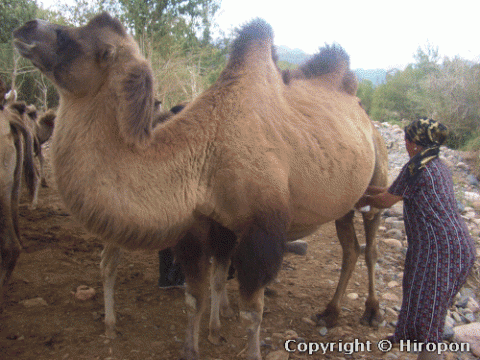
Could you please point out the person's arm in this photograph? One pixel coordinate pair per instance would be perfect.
(381, 200)
(374, 190)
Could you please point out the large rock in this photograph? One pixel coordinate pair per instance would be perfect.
(468, 334)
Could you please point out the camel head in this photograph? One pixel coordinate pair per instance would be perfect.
(91, 60)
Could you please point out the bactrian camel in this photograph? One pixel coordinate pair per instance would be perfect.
(258, 159)
(16, 154)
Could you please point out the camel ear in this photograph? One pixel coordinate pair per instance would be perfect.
(107, 54)
(136, 104)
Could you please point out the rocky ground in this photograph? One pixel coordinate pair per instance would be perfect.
(47, 317)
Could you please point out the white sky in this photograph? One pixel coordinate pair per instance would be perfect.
(375, 33)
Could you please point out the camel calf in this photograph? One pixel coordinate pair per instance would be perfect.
(260, 158)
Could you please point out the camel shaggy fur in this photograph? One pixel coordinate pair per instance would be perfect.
(42, 130)
(251, 163)
(17, 158)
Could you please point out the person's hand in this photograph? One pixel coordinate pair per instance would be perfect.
(364, 201)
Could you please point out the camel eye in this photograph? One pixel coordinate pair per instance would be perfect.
(63, 40)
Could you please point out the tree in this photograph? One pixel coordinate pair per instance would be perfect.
(14, 13)
(453, 98)
(160, 18)
(401, 97)
(365, 93)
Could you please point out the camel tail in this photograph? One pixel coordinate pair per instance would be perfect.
(255, 33)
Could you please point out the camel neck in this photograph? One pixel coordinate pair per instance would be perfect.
(121, 191)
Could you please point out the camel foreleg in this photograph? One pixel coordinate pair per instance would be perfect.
(219, 301)
(108, 267)
(257, 260)
(195, 262)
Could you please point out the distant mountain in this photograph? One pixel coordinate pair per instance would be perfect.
(376, 76)
(293, 56)
(297, 56)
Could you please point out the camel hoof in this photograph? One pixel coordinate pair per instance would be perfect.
(189, 354)
(227, 312)
(217, 339)
(110, 334)
(326, 318)
(371, 318)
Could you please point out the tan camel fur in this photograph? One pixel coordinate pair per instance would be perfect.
(16, 153)
(251, 163)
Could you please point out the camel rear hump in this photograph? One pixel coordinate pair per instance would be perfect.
(332, 65)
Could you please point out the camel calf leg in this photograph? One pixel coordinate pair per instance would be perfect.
(108, 267)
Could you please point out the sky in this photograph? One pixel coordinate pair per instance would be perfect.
(376, 34)
(381, 34)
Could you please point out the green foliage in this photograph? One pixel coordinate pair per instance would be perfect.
(14, 13)
(174, 34)
(365, 93)
(400, 97)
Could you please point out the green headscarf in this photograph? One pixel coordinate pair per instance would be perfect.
(429, 134)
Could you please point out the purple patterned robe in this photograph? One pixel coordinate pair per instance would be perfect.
(440, 252)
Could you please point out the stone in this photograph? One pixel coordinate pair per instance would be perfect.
(469, 333)
(290, 335)
(278, 355)
(323, 331)
(390, 297)
(462, 166)
(34, 302)
(395, 234)
(393, 243)
(472, 305)
(84, 293)
(448, 332)
(392, 284)
(298, 247)
(352, 296)
(472, 180)
(308, 321)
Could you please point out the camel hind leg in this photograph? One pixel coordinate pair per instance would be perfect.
(372, 314)
(351, 251)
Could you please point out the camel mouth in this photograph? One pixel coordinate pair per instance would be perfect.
(25, 49)
(28, 51)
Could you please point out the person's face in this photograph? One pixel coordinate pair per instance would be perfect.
(412, 148)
